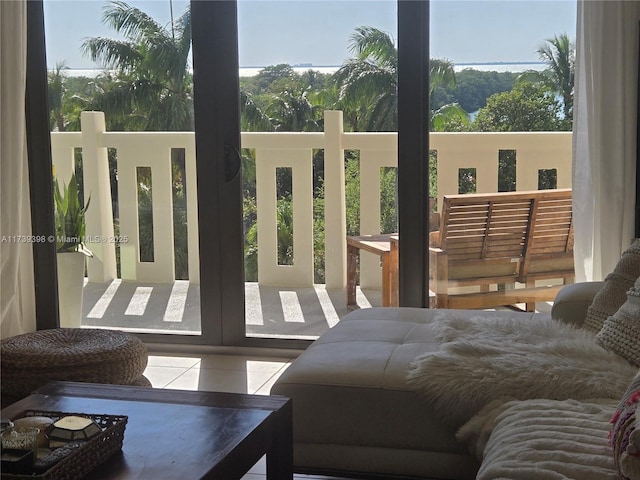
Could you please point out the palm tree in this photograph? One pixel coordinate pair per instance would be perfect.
(252, 118)
(56, 95)
(153, 85)
(559, 55)
(64, 108)
(368, 83)
(442, 75)
(151, 89)
(292, 111)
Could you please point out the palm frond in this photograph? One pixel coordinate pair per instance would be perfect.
(534, 76)
(370, 43)
(384, 116)
(447, 114)
(441, 74)
(559, 54)
(169, 113)
(368, 81)
(252, 117)
(112, 53)
(129, 21)
(183, 42)
(56, 87)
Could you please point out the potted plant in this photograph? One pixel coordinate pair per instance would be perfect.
(71, 251)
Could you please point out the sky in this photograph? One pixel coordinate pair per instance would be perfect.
(318, 31)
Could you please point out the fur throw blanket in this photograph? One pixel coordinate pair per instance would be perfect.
(485, 359)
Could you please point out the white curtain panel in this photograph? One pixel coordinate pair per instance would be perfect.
(17, 300)
(605, 105)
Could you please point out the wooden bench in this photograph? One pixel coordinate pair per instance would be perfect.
(488, 242)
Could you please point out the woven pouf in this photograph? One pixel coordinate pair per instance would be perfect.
(30, 360)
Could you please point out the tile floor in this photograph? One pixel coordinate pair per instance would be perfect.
(221, 373)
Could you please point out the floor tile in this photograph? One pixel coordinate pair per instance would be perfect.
(214, 380)
(173, 360)
(232, 373)
(160, 377)
(236, 362)
(265, 389)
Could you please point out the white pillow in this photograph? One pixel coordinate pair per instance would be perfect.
(551, 439)
(613, 294)
(620, 333)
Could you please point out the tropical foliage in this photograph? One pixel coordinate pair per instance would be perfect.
(147, 85)
(153, 86)
(559, 76)
(528, 107)
(368, 83)
(70, 217)
(472, 88)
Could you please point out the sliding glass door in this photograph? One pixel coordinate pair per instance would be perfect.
(121, 118)
(318, 83)
(240, 240)
(217, 124)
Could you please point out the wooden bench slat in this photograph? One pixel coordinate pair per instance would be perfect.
(506, 253)
(496, 233)
(548, 229)
(503, 297)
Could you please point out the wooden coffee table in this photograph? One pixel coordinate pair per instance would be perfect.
(178, 434)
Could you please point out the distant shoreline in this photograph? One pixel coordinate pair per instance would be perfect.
(329, 69)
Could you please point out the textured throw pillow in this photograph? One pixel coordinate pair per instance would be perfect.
(620, 333)
(543, 439)
(611, 297)
(625, 433)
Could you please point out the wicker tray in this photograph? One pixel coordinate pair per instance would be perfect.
(88, 456)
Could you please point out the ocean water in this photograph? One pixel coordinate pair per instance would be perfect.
(515, 67)
(329, 69)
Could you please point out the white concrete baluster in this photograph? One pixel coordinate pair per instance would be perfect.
(192, 212)
(63, 156)
(95, 166)
(300, 274)
(132, 155)
(335, 246)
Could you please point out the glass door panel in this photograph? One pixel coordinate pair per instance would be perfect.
(498, 124)
(308, 119)
(122, 132)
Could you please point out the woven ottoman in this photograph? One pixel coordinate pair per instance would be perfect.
(30, 360)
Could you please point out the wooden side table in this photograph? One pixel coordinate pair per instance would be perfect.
(394, 286)
(379, 245)
(386, 246)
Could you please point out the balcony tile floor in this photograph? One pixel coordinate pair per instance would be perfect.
(276, 312)
(221, 373)
(272, 312)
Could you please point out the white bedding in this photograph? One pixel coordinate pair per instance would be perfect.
(543, 440)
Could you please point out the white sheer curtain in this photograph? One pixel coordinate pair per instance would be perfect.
(604, 148)
(17, 301)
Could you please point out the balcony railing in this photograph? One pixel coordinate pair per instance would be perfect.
(480, 151)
